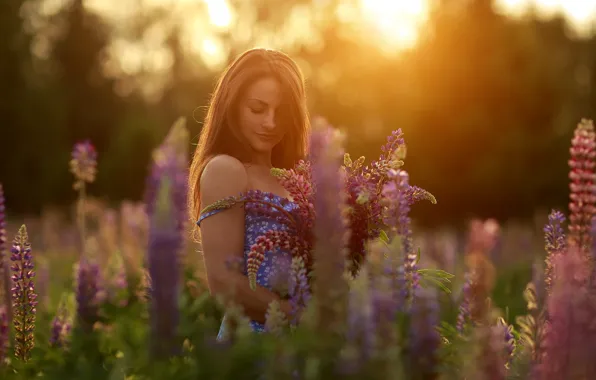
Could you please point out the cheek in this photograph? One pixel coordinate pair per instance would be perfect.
(248, 120)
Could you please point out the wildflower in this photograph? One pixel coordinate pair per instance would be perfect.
(361, 327)
(83, 164)
(396, 216)
(582, 187)
(330, 233)
(507, 332)
(166, 199)
(298, 289)
(24, 298)
(554, 242)
(4, 334)
(569, 338)
(275, 319)
(60, 328)
(424, 340)
(88, 293)
(4, 272)
(463, 316)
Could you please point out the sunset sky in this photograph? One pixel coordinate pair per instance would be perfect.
(394, 24)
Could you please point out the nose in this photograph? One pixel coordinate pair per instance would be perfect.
(269, 121)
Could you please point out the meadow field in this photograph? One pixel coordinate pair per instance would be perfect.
(119, 293)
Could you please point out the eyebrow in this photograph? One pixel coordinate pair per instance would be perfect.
(259, 100)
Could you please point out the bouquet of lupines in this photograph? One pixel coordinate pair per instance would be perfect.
(363, 186)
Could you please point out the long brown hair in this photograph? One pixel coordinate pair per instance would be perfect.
(220, 135)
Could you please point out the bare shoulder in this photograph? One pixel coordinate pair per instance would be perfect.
(222, 177)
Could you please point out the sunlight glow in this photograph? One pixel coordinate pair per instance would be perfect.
(397, 22)
(219, 13)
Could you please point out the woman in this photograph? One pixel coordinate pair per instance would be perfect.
(257, 119)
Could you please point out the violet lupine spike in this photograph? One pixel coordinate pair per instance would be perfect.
(582, 186)
(424, 339)
(569, 338)
(88, 294)
(330, 228)
(4, 334)
(60, 328)
(463, 317)
(385, 308)
(83, 164)
(24, 298)
(398, 208)
(298, 289)
(166, 199)
(507, 337)
(4, 262)
(554, 237)
(361, 322)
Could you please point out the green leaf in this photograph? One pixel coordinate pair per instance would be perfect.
(383, 236)
(439, 284)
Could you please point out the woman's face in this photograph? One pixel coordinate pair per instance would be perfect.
(260, 115)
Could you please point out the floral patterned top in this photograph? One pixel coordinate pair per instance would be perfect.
(273, 272)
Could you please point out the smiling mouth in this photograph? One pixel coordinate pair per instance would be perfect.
(266, 137)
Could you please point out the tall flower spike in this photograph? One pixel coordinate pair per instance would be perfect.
(424, 337)
(554, 237)
(24, 298)
(330, 232)
(569, 340)
(4, 334)
(166, 206)
(88, 293)
(83, 164)
(60, 328)
(4, 262)
(396, 216)
(582, 186)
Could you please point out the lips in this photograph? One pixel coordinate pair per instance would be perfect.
(265, 136)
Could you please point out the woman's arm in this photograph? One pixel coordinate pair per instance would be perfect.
(222, 239)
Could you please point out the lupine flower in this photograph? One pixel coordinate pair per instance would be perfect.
(463, 317)
(554, 237)
(24, 298)
(4, 334)
(491, 362)
(275, 319)
(4, 272)
(166, 206)
(508, 337)
(424, 339)
(88, 285)
(361, 328)
(83, 164)
(330, 229)
(582, 187)
(569, 341)
(60, 328)
(396, 216)
(298, 289)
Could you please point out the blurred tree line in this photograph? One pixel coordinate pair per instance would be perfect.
(488, 103)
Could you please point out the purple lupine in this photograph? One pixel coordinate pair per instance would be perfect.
(83, 163)
(554, 238)
(24, 298)
(361, 326)
(507, 332)
(569, 337)
(582, 195)
(166, 200)
(88, 293)
(4, 333)
(424, 339)
(330, 232)
(463, 317)
(4, 272)
(396, 216)
(298, 289)
(60, 328)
